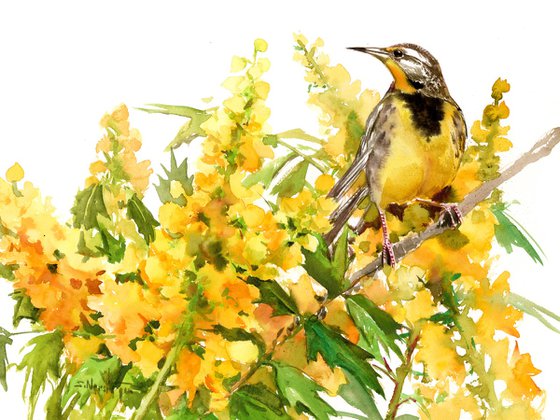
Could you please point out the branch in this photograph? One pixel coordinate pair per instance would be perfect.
(541, 149)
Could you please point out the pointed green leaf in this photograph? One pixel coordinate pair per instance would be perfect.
(113, 248)
(23, 309)
(5, 341)
(359, 397)
(87, 205)
(54, 407)
(198, 410)
(272, 294)
(340, 257)
(330, 274)
(95, 377)
(298, 133)
(190, 130)
(267, 173)
(239, 334)
(407, 417)
(252, 402)
(145, 222)
(509, 234)
(7, 271)
(293, 181)
(376, 326)
(175, 173)
(134, 387)
(40, 363)
(338, 351)
(301, 392)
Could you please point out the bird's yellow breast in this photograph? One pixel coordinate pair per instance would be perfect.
(416, 165)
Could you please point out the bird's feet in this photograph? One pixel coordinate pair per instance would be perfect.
(388, 254)
(451, 215)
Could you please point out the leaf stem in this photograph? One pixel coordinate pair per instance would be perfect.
(541, 149)
(184, 333)
(304, 156)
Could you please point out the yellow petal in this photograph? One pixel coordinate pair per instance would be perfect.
(242, 351)
(237, 64)
(14, 173)
(324, 183)
(261, 45)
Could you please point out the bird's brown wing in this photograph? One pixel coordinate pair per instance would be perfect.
(357, 167)
(347, 204)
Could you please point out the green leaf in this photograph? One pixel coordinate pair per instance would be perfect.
(256, 401)
(239, 334)
(89, 244)
(175, 173)
(198, 410)
(134, 387)
(54, 407)
(509, 233)
(298, 133)
(5, 341)
(338, 351)
(23, 309)
(95, 377)
(272, 294)
(376, 326)
(301, 392)
(293, 181)
(329, 273)
(535, 310)
(87, 205)
(40, 363)
(139, 213)
(113, 248)
(7, 271)
(359, 397)
(270, 140)
(407, 417)
(190, 130)
(267, 173)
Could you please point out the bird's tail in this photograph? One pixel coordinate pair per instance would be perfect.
(348, 179)
(343, 212)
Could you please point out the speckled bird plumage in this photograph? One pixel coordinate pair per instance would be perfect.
(413, 141)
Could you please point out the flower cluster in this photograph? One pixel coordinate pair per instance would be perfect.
(230, 303)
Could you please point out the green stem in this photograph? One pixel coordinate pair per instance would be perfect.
(185, 331)
(313, 64)
(476, 360)
(304, 156)
(402, 373)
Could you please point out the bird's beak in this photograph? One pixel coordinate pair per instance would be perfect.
(379, 53)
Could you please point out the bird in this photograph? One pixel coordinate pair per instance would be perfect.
(412, 145)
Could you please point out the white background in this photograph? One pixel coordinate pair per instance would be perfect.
(64, 64)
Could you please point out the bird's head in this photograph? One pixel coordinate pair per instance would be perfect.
(413, 68)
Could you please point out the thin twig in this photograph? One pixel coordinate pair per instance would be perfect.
(402, 373)
(541, 149)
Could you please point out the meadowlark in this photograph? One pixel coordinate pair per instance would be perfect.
(412, 145)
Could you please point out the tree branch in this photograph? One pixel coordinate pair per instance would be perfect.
(541, 149)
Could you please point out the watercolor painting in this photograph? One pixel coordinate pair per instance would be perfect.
(347, 236)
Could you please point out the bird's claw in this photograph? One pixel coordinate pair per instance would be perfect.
(388, 254)
(451, 214)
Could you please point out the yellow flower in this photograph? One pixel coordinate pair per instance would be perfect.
(14, 173)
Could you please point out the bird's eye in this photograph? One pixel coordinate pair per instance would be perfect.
(398, 53)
